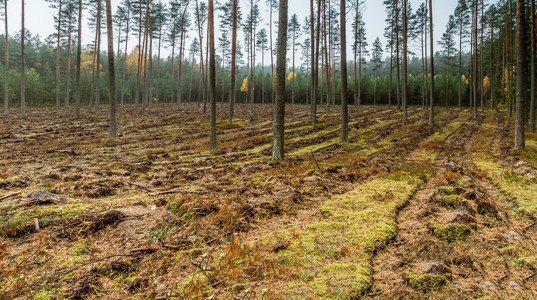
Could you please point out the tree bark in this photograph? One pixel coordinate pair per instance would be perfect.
(344, 109)
(111, 71)
(234, 63)
(279, 107)
(58, 89)
(313, 112)
(533, 79)
(405, 61)
(23, 66)
(521, 76)
(6, 64)
(212, 74)
(78, 62)
(431, 106)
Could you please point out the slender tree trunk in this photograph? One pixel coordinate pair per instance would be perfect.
(405, 62)
(234, 63)
(23, 66)
(212, 74)
(313, 111)
(533, 79)
(68, 70)
(391, 63)
(279, 107)
(475, 75)
(98, 75)
(139, 65)
(78, 60)
(272, 53)
(431, 106)
(125, 59)
(397, 50)
(447, 82)
(460, 65)
(344, 110)
(481, 55)
(6, 63)
(521, 75)
(426, 71)
(112, 132)
(119, 28)
(58, 89)
(180, 64)
(315, 65)
(423, 101)
(157, 92)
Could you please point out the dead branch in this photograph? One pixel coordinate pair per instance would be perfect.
(315, 160)
(10, 195)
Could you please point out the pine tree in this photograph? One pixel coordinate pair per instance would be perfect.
(448, 44)
(376, 59)
(461, 21)
(294, 31)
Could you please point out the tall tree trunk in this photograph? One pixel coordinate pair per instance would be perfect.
(475, 75)
(344, 110)
(460, 65)
(521, 76)
(397, 54)
(201, 57)
(447, 81)
(431, 106)
(234, 63)
(23, 66)
(119, 28)
(313, 100)
(139, 64)
(391, 62)
(180, 63)
(279, 107)
(111, 71)
(423, 101)
(68, 71)
(58, 89)
(212, 74)
(533, 79)
(481, 55)
(78, 60)
(6, 63)
(125, 59)
(157, 92)
(271, 52)
(405, 63)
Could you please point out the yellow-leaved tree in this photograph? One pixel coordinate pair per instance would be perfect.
(291, 76)
(244, 87)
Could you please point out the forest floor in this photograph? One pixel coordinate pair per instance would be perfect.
(406, 210)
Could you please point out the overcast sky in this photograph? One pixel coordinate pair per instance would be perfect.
(39, 18)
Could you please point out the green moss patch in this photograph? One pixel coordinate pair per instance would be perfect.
(333, 252)
(450, 201)
(425, 282)
(451, 232)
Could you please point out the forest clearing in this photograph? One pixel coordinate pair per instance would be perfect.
(405, 209)
(273, 160)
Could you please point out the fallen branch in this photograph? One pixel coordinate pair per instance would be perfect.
(140, 250)
(315, 160)
(92, 262)
(168, 192)
(532, 225)
(9, 195)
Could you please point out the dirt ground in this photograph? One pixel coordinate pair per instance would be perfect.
(406, 210)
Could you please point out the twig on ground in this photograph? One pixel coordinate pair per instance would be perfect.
(315, 160)
(10, 195)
